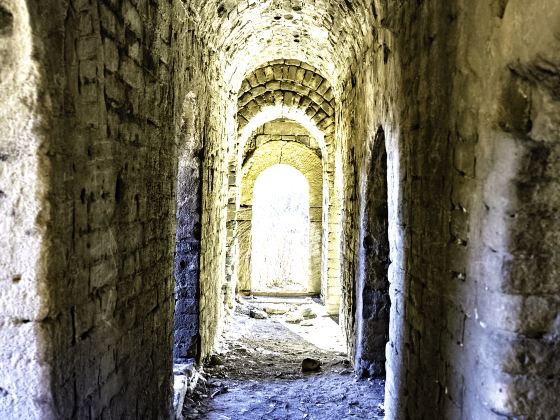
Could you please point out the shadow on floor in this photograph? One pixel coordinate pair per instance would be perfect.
(256, 374)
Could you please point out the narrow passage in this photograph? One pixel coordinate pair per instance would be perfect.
(257, 372)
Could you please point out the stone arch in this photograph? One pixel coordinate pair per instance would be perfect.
(281, 129)
(309, 164)
(290, 153)
(291, 83)
(271, 113)
(294, 89)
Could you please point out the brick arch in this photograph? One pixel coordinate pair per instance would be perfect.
(331, 288)
(263, 136)
(286, 152)
(277, 112)
(306, 161)
(290, 83)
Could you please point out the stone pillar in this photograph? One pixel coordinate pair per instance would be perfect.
(315, 249)
(244, 221)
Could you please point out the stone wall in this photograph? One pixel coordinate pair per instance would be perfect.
(24, 367)
(506, 135)
(109, 99)
(467, 96)
(187, 253)
(109, 106)
(371, 277)
(190, 143)
(112, 145)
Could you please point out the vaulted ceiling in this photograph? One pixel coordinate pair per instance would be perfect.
(327, 34)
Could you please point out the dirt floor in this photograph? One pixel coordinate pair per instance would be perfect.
(257, 373)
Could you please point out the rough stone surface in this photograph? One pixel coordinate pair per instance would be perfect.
(113, 120)
(294, 317)
(372, 285)
(261, 376)
(276, 309)
(24, 364)
(258, 314)
(308, 313)
(101, 116)
(469, 123)
(187, 251)
(122, 123)
(310, 365)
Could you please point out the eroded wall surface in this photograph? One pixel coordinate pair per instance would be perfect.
(372, 273)
(109, 99)
(24, 362)
(467, 96)
(109, 75)
(190, 62)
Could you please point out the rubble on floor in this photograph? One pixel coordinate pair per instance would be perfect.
(310, 365)
(186, 378)
(271, 369)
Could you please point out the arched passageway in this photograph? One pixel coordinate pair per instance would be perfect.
(280, 233)
(285, 143)
(126, 129)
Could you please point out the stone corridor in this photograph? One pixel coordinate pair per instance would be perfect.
(425, 134)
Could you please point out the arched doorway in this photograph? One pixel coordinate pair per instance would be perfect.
(300, 158)
(373, 303)
(280, 226)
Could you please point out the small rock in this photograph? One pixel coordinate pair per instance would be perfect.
(310, 365)
(214, 382)
(241, 350)
(243, 310)
(294, 318)
(307, 323)
(182, 368)
(308, 313)
(258, 314)
(276, 309)
(214, 360)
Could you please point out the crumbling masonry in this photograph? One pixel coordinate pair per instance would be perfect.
(430, 131)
